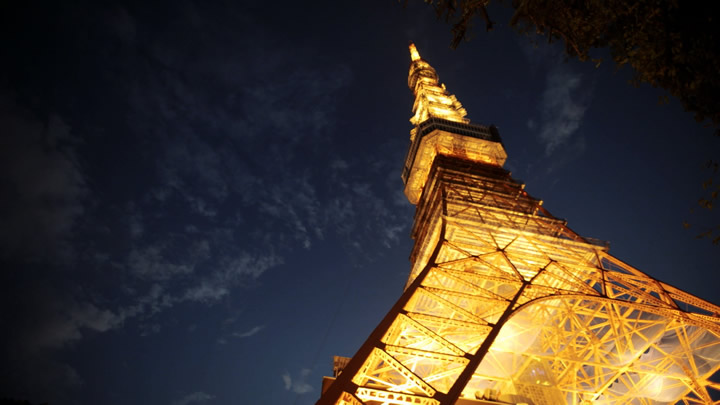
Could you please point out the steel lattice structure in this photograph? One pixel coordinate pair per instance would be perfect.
(506, 304)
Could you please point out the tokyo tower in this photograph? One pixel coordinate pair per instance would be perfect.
(507, 305)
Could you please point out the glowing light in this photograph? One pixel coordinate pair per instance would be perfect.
(414, 54)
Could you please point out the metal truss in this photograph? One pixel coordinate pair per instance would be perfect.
(511, 305)
(507, 305)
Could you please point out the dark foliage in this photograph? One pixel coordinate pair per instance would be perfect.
(670, 44)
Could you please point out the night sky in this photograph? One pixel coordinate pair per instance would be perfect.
(201, 201)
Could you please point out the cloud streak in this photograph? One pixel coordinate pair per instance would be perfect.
(197, 397)
(42, 185)
(250, 332)
(299, 384)
(563, 108)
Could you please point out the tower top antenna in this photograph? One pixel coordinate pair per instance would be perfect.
(414, 54)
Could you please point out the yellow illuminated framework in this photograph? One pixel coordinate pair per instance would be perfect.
(506, 305)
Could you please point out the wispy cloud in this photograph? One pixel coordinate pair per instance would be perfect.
(563, 107)
(231, 272)
(42, 184)
(565, 97)
(230, 176)
(299, 384)
(197, 397)
(40, 319)
(192, 168)
(249, 332)
(59, 328)
(228, 272)
(287, 381)
(149, 329)
(150, 263)
(293, 204)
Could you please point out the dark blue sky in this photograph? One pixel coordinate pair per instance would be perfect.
(201, 201)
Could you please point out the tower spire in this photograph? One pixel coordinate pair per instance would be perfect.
(414, 54)
(431, 97)
(441, 129)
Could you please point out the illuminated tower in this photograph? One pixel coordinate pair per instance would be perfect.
(506, 305)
